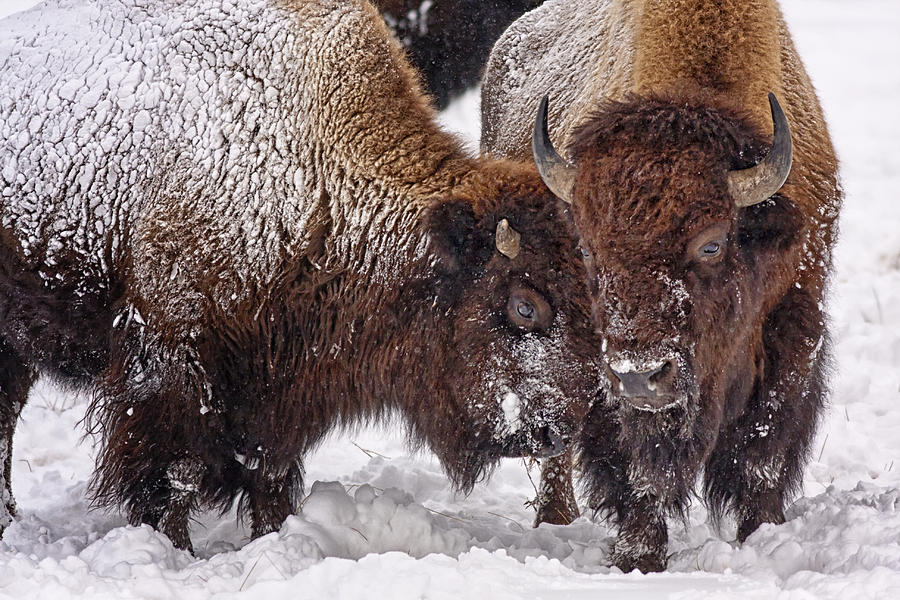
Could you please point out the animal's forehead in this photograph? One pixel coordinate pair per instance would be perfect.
(660, 204)
(650, 170)
(666, 169)
(546, 271)
(547, 241)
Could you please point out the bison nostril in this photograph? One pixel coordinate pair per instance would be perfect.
(613, 377)
(656, 381)
(662, 373)
(552, 442)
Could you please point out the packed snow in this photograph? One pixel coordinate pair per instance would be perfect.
(381, 523)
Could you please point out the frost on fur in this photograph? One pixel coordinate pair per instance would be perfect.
(238, 222)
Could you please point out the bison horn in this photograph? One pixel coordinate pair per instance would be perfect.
(557, 173)
(508, 240)
(758, 183)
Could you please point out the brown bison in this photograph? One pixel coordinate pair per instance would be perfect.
(449, 40)
(707, 217)
(242, 241)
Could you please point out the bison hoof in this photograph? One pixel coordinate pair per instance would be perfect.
(175, 527)
(749, 525)
(647, 563)
(182, 541)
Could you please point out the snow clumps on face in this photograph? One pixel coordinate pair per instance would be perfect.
(533, 398)
(673, 299)
(512, 409)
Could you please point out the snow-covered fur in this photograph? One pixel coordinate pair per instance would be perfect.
(238, 222)
(655, 102)
(448, 41)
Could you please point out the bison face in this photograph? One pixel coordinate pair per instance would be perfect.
(683, 256)
(661, 292)
(523, 363)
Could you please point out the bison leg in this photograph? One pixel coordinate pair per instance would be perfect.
(556, 499)
(643, 536)
(184, 478)
(161, 432)
(164, 495)
(642, 541)
(271, 496)
(758, 461)
(15, 381)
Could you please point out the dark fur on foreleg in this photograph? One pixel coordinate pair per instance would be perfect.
(271, 495)
(643, 537)
(16, 379)
(607, 474)
(556, 502)
(758, 462)
(160, 431)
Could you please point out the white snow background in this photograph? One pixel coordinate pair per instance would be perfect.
(390, 527)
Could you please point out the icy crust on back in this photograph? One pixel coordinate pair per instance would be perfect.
(121, 113)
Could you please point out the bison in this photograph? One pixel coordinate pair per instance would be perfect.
(449, 40)
(707, 218)
(238, 222)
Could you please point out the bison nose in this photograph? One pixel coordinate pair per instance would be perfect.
(550, 442)
(650, 388)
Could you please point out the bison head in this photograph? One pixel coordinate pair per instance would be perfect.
(522, 364)
(687, 245)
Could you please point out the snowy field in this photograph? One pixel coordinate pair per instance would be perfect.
(380, 524)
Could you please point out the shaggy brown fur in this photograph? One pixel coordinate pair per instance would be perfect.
(450, 40)
(213, 380)
(753, 340)
(328, 350)
(683, 105)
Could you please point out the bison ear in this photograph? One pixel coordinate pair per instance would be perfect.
(770, 226)
(456, 239)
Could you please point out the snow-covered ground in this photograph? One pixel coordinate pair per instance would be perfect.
(392, 529)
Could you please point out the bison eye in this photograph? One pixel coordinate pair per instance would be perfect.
(528, 310)
(525, 310)
(709, 245)
(711, 249)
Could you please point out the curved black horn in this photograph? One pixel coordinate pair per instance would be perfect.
(556, 172)
(759, 182)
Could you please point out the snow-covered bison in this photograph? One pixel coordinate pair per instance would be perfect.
(707, 249)
(449, 40)
(238, 221)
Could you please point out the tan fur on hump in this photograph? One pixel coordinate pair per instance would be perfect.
(728, 47)
(407, 146)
